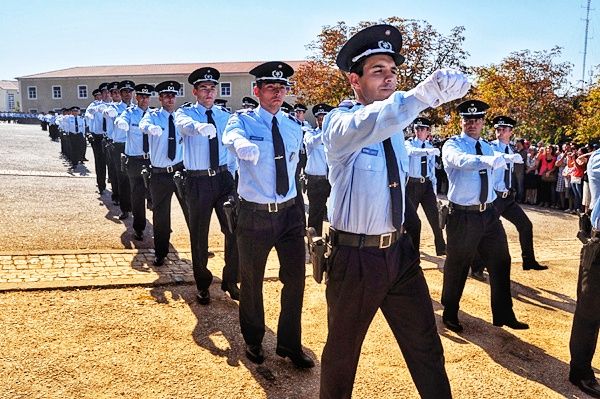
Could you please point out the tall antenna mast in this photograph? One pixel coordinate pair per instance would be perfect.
(585, 43)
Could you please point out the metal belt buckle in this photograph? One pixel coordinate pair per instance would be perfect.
(170, 169)
(422, 180)
(211, 172)
(482, 207)
(385, 240)
(274, 208)
(505, 194)
(146, 156)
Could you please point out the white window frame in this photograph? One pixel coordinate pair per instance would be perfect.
(29, 97)
(33, 110)
(221, 94)
(79, 91)
(55, 97)
(181, 91)
(252, 85)
(8, 101)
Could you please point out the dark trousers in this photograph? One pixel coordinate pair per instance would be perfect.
(53, 131)
(361, 281)
(78, 147)
(138, 192)
(112, 173)
(122, 179)
(202, 195)
(99, 161)
(469, 233)
(162, 188)
(257, 233)
(412, 223)
(586, 320)
(65, 145)
(317, 190)
(422, 194)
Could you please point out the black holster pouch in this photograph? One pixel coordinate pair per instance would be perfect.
(231, 212)
(179, 179)
(319, 250)
(146, 174)
(443, 215)
(123, 163)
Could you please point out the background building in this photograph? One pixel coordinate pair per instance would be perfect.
(10, 98)
(73, 86)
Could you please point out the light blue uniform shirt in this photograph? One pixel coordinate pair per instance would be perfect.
(360, 200)
(196, 148)
(499, 184)
(134, 146)
(316, 163)
(112, 131)
(257, 182)
(93, 114)
(159, 145)
(593, 171)
(462, 167)
(415, 152)
(70, 127)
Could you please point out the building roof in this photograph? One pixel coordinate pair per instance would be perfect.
(9, 85)
(151, 69)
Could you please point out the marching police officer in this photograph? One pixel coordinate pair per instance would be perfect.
(421, 186)
(267, 143)
(373, 264)
(97, 125)
(77, 136)
(137, 151)
(586, 320)
(166, 158)
(317, 186)
(473, 225)
(208, 179)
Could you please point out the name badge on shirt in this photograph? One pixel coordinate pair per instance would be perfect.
(257, 138)
(369, 151)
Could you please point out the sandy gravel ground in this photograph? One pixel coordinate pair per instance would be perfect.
(159, 343)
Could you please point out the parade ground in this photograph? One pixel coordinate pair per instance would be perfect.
(84, 314)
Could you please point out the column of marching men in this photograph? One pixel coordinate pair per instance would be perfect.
(359, 173)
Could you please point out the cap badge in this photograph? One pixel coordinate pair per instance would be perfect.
(171, 88)
(208, 76)
(277, 74)
(384, 45)
(472, 110)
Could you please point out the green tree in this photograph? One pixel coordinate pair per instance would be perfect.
(587, 117)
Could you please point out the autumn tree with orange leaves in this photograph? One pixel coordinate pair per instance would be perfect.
(425, 49)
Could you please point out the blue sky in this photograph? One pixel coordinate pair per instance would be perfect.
(40, 36)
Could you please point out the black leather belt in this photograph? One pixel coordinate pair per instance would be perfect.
(140, 157)
(206, 172)
(470, 208)
(168, 169)
(316, 177)
(503, 194)
(381, 241)
(271, 208)
(418, 179)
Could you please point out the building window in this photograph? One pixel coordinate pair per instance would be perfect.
(56, 92)
(181, 91)
(82, 91)
(11, 102)
(33, 111)
(32, 93)
(225, 89)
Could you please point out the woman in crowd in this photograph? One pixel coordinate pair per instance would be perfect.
(547, 172)
(531, 176)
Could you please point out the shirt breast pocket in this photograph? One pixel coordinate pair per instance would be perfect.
(369, 160)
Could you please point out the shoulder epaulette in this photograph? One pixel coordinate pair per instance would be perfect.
(244, 111)
(293, 118)
(222, 108)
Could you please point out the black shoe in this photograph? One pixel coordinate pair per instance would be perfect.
(478, 275)
(203, 297)
(138, 235)
(159, 261)
(590, 386)
(232, 288)
(255, 353)
(210, 254)
(514, 324)
(452, 324)
(123, 215)
(534, 266)
(300, 359)
(440, 252)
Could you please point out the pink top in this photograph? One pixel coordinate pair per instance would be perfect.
(545, 165)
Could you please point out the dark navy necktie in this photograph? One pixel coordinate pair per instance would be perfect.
(483, 193)
(172, 143)
(394, 183)
(213, 143)
(76, 125)
(282, 185)
(507, 173)
(423, 163)
(145, 144)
